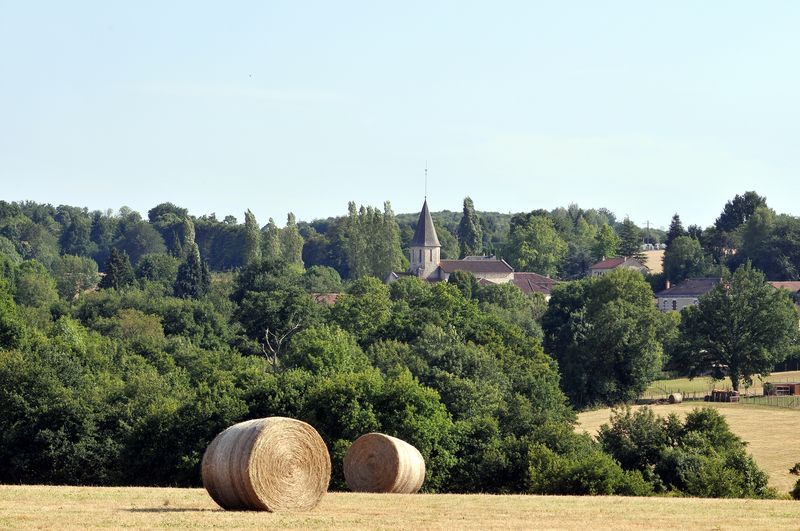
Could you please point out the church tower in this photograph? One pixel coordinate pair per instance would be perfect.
(425, 246)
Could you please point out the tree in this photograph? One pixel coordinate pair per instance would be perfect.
(698, 457)
(271, 241)
(630, 243)
(140, 238)
(606, 243)
(536, 246)
(603, 331)
(371, 242)
(470, 239)
(252, 238)
(322, 279)
(291, 242)
(118, 270)
(741, 328)
(388, 255)
(74, 274)
(12, 329)
(738, 210)
(684, 259)
(272, 305)
(694, 231)
(193, 279)
(675, 230)
(34, 285)
(160, 268)
(325, 350)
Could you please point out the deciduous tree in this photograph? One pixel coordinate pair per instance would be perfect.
(603, 332)
(741, 328)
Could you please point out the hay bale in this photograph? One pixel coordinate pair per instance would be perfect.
(269, 464)
(379, 463)
(675, 398)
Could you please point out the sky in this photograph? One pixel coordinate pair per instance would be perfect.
(645, 108)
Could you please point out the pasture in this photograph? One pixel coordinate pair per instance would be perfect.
(703, 384)
(95, 507)
(771, 433)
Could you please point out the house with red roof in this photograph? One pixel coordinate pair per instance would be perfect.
(609, 264)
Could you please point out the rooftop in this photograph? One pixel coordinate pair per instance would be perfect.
(691, 287)
(791, 285)
(425, 233)
(533, 283)
(476, 266)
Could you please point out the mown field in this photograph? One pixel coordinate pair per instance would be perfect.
(772, 434)
(702, 385)
(93, 507)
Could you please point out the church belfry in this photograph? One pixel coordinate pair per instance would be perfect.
(425, 246)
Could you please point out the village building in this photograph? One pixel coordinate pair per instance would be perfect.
(426, 263)
(607, 265)
(686, 293)
(676, 298)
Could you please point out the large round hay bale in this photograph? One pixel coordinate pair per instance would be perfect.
(675, 398)
(380, 463)
(269, 464)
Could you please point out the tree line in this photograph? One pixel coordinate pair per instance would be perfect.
(125, 380)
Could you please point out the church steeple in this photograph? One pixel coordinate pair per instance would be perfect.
(425, 235)
(425, 246)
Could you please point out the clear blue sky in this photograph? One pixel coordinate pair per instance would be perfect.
(646, 108)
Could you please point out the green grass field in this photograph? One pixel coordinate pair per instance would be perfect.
(147, 508)
(772, 434)
(702, 385)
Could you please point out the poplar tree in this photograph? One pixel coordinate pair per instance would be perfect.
(291, 242)
(470, 238)
(118, 270)
(271, 241)
(391, 231)
(252, 238)
(355, 242)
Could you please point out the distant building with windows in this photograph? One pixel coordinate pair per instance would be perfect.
(426, 263)
(676, 298)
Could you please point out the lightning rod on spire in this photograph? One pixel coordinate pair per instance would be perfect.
(426, 180)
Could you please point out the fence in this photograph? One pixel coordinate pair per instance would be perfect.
(788, 402)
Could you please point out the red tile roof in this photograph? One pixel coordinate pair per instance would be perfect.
(791, 285)
(533, 282)
(609, 263)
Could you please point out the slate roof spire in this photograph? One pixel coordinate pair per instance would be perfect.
(425, 234)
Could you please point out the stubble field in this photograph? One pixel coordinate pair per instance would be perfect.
(93, 507)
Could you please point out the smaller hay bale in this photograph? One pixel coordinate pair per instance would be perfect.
(675, 398)
(380, 463)
(269, 464)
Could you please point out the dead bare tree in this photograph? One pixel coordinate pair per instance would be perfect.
(274, 342)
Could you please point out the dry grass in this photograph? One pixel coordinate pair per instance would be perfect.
(702, 385)
(772, 434)
(92, 507)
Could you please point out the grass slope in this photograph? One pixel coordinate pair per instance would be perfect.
(771, 433)
(94, 507)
